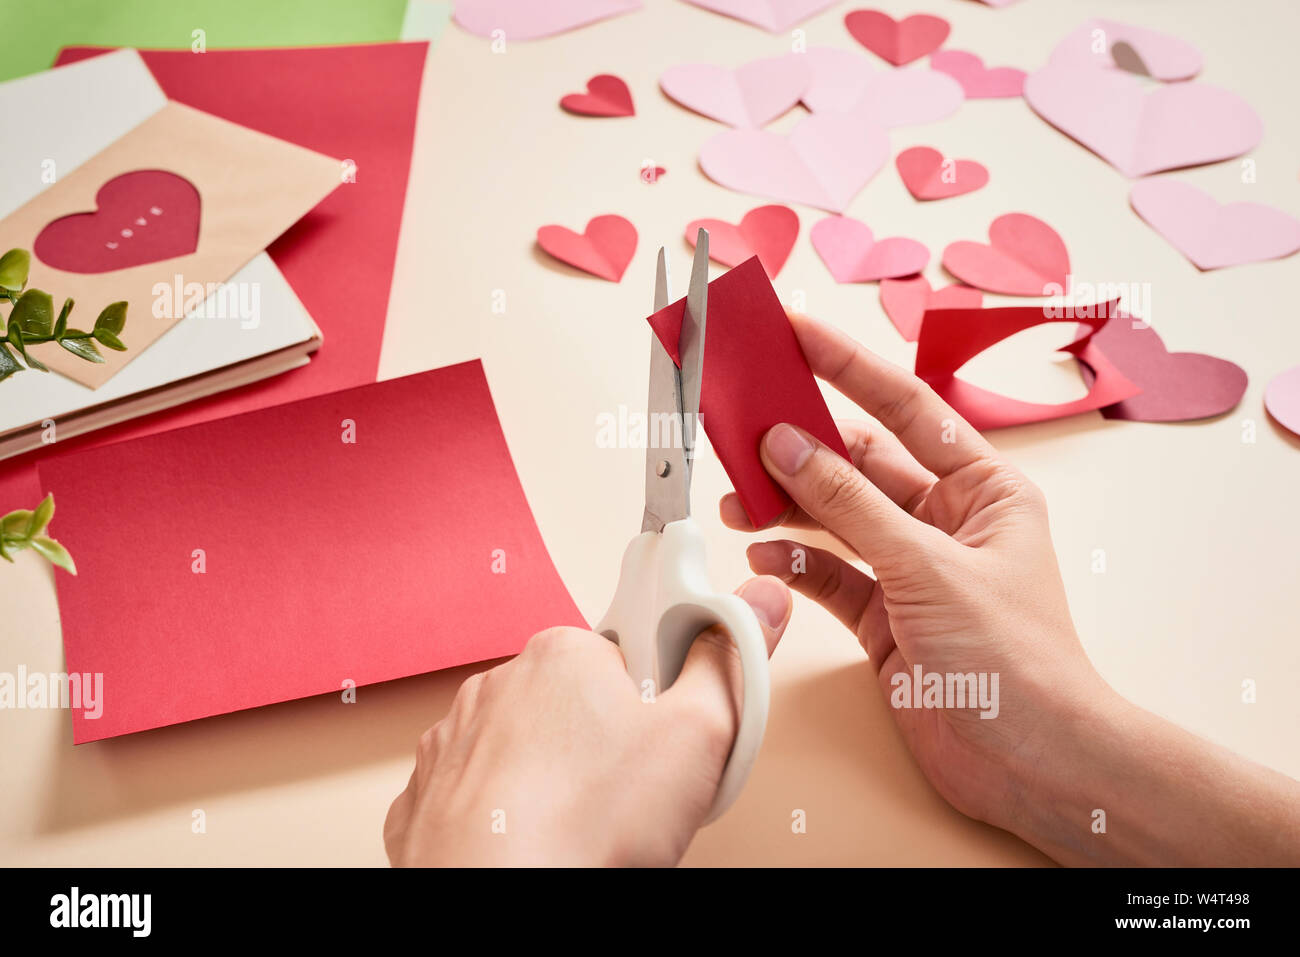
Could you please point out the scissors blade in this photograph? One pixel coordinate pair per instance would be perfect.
(690, 348)
(667, 478)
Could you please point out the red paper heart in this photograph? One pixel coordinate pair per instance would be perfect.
(1024, 257)
(606, 95)
(767, 232)
(1176, 386)
(906, 302)
(603, 249)
(651, 174)
(898, 41)
(927, 175)
(144, 216)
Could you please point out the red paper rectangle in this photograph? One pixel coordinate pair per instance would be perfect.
(755, 376)
(325, 561)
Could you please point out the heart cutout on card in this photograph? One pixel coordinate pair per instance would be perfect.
(1176, 386)
(1024, 257)
(603, 249)
(1212, 235)
(532, 19)
(607, 95)
(144, 216)
(1140, 130)
(776, 16)
(927, 175)
(898, 41)
(767, 232)
(749, 96)
(845, 81)
(977, 81)
(906, 301)
(853, 254)
(823, 161)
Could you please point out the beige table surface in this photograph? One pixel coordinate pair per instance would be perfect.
(1200, 529)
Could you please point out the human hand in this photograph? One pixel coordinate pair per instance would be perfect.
(554, 757)
(965, 577)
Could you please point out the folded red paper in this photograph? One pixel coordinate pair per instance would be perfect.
(755, 375)
(360, 536)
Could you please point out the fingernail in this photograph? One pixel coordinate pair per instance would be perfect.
(768, 599)
(787, 448)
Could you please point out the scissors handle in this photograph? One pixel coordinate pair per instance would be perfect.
(662, 603)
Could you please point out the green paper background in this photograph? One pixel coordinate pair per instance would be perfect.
(35, 30)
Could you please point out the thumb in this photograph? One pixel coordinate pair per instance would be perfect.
(843, 500)
(711, 676)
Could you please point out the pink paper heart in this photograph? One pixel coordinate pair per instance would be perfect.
(978, 81)
(823, 162)
(767, 232)
(1212, 235)
(749, 96)
(1176, 386)
(603, 249)
(1148, 52)
(898, 41)
(906, 301)
(853, 254)
(531, 19)
(1140, 132)
(1282, 399)
(1025, 257)
(606, 95)
(774, 15)
(844, 81)
(927, 175)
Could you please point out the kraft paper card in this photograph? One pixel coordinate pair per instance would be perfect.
(181, 202)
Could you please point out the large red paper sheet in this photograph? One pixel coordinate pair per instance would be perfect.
(409, 550)
(755, 375)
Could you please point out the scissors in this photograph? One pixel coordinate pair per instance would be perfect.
(663, 599)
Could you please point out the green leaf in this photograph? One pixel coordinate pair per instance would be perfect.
(34, 313)
(8, 364)
(82, 347)
(55, 553)
(15, 524)
(14, 266)
(107, 338)
(61, 325)
(41, 517)
(113, 318)
(16, 337)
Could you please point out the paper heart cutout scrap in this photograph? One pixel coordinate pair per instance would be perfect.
(1176, 386)
(607, 95)
(952, 337)
(1112, 45)
(977, 81)
(1024, 257)
(532, 19)
(750, 96)
(1212, 235)
(603, 249)
(1138, 130)
(898, 41)
(845, 81)
(853, 254)
(1282, 399)
(144, 216)
(767, 232)
(927, 175)
(906, 301)
(824, 161)
(776, 16)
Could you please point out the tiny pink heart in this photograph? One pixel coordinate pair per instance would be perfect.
(906, 301)
(927, 175)
(853, 254)
(978, 81)
(1212, 235)
(1024, 257)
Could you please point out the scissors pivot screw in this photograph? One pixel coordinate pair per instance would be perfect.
(663, 469)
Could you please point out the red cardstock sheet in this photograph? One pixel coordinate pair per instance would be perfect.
(323, 560)
(755, 375)
(952, 337)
